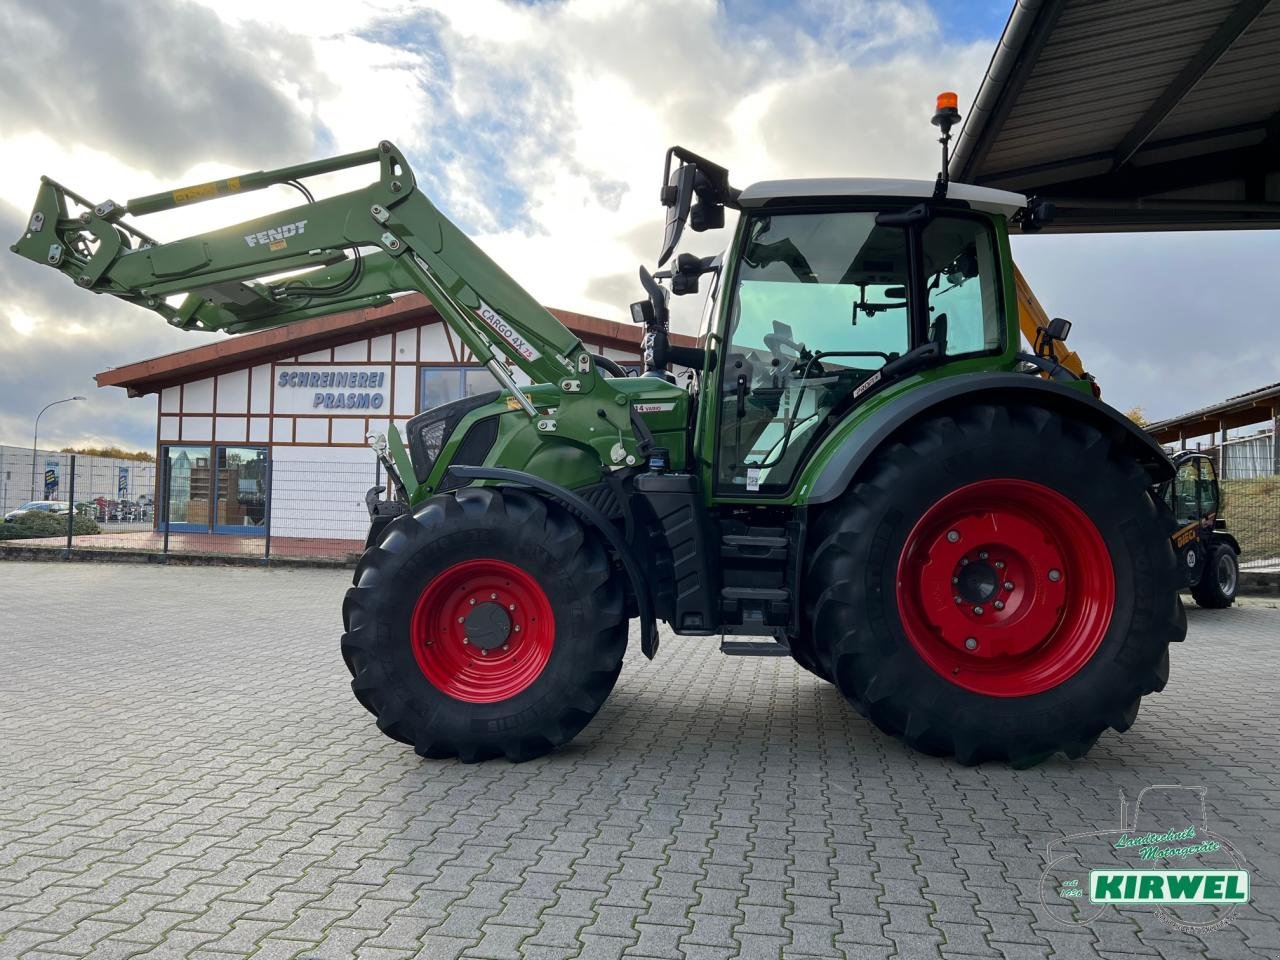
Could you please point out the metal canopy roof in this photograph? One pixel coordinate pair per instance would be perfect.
(1133, 114)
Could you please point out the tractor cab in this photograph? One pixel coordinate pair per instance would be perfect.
(831, 292)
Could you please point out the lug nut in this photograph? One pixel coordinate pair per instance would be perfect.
(493, 596)
(465, 640)
(484, 653)
(462, 619)
(505, 647)
(971, 644)
(472, 601)
(999, 564)
(999, 604)
(958, 600)
(982, 555)
(511, 606)
(964, 561)
(978, 611)
(1008, 584)
(953, 536)
(1055, 575)
(516, 628)
(955, 579)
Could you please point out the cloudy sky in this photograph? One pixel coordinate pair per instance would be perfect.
(540, 127)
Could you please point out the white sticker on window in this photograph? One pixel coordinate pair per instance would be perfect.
(753, 478)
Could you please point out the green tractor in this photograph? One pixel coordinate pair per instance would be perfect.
(861, 470)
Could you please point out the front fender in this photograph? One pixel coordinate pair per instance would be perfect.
(851, 447)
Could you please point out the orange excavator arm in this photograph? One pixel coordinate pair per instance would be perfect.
(1032, 319)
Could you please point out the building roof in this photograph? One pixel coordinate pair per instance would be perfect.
(307, 336)
(982, 198)
(1133, 114)
(1256, 406)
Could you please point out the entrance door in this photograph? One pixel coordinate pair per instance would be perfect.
(241, 490)
(186, 503)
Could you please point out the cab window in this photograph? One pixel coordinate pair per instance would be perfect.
(820, 303)
(1186, 492)
(962, 280)
(1208, 488)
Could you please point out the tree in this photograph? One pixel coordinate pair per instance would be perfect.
(1138, 416)
(114, 453)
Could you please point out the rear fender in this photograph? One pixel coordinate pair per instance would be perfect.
(939, 397)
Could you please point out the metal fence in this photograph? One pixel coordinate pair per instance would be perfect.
(247, 509)
(314, 510)
(1251, 508)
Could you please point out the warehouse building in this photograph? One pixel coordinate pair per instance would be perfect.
(270, 427)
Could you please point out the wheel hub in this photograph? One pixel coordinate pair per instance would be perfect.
(987, 592)
(487, 626)
(977, 582)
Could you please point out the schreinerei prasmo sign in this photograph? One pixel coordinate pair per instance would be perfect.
(333, 390)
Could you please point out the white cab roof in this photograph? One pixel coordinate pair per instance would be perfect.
(980, 198)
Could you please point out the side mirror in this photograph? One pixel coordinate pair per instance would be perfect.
(677, 196)
(1058, 329)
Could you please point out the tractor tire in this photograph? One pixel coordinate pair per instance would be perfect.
(802, 653)
(487, 623)
(1217, 587)
(997, 584)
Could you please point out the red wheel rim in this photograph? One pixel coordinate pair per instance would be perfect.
(482, 631)
(1005, 587)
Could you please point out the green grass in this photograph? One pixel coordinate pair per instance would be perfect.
(1252, 511)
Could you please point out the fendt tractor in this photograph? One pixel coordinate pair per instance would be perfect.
(863, 469)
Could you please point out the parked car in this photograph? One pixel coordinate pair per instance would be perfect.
(56, 507)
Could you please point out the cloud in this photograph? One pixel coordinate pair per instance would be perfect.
(162, 85)
(540, 128)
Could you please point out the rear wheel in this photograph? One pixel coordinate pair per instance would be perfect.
(997, 586)
(487, 623)
(1217, 586)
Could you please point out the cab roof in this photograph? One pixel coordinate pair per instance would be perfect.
(989, 200)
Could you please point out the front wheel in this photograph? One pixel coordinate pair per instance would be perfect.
(486, 623)
(1217, 587)
(997, 586)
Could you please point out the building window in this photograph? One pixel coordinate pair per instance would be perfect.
(443, 384)
(228, 498)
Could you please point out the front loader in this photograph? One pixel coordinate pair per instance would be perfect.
(863, 470)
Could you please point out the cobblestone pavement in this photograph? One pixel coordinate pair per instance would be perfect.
(184, 773)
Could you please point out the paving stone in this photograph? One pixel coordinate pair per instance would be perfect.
(217, 793)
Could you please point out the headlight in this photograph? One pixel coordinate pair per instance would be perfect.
(432, 439)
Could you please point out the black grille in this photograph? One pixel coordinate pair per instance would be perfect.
(475, 446)
(420, 427)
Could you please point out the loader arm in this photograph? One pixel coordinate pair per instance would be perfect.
(338, 253)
